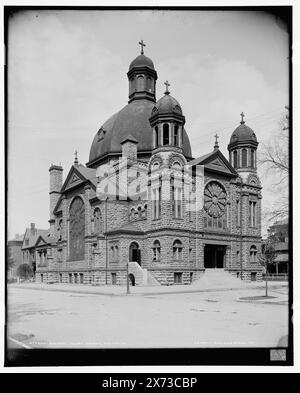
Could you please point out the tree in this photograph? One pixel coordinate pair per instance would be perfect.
(24, 271)
(267, 258)
(275, 159)
(10, 261)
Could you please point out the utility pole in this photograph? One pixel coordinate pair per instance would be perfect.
(127, 279)
(106, 244)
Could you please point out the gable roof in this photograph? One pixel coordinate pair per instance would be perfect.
(32, 237)
(45, 239)
(216, 162)
(77, 176)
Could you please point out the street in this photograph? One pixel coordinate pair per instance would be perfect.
(41, 318)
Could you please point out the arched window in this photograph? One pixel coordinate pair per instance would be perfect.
(252, 159)
(97, 220)
(156, 250)
(244, 158)
(253, 253)
(156, 137)
(77, 229)
(59, 229)
(177, 250)
(166, 139)
(176, 198)
(140, 83)
(149, 85)
(176, 135)
(134, 253)
(235, 159)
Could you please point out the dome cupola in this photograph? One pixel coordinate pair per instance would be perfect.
(142, 78)
(242, 147)
(167, 121)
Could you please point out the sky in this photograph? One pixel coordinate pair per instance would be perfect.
(67, 76)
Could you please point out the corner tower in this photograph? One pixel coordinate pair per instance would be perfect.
(142, 78)
(242, 150)
(167, 123)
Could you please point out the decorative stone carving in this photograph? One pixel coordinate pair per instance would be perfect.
(215, 199)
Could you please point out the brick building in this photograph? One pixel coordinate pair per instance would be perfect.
(279, 233)
(144, 205)
(14, 254)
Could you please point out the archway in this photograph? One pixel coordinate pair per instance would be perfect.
(134, 253)
(131, 279)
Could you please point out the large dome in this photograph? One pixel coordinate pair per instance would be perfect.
(243, 133)
(133, 120)
(141, 61)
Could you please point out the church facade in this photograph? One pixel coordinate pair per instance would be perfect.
(143, 207)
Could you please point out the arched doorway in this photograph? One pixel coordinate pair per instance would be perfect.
(131, 279)
(134, 253)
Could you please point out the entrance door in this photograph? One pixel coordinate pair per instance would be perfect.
(214, 256)
(134, 253)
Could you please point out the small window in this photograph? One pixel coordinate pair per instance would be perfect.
(235, 159)
(177, 278)
(156, 250)
(166, 140)
(156, 137)
(252, 159)
(114, 278)
(176, 135)
(253, 254)
(177, 250)
(244, 158)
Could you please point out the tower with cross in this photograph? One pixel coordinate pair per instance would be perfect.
(142, 77)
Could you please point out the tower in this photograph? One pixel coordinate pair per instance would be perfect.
(142, 77)
(56, 180)
(242, 150)
(167, 123)
(247, 204)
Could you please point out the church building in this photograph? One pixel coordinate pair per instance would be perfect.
(143, 207)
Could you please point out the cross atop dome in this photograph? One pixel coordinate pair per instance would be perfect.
(242, 117)
(142, 46)
(167, 87)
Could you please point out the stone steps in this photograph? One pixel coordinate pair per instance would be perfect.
(218, 278)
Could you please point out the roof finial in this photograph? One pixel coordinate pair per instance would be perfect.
(142, 46)
(76, 158)
(242, 116)
(216, 141)
(167, 87)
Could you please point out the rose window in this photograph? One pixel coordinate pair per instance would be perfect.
(214, 199)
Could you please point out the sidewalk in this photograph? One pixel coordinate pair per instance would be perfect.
(116, 290)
